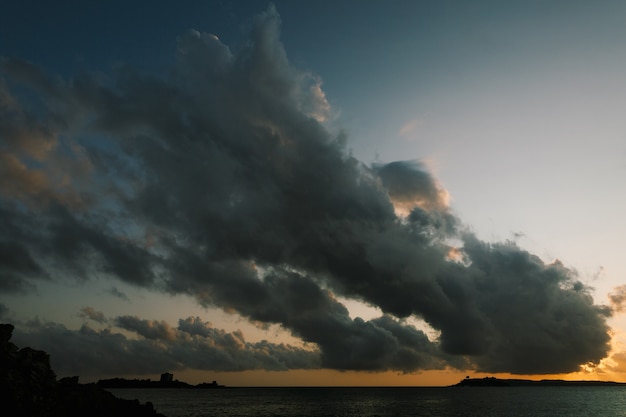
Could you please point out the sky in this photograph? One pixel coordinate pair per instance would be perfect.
(315, 193)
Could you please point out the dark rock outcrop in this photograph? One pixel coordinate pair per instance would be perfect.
(29, 387)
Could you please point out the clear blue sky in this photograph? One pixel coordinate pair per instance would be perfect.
(165, 166)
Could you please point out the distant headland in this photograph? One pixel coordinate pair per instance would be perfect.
(167, 381)
(497, 382)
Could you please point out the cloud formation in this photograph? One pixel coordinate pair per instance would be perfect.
(221, 180)
(618, 298)
(156, 346)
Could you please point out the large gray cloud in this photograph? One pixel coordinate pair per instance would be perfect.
(220, 180)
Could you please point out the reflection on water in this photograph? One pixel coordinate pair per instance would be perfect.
(352, 402)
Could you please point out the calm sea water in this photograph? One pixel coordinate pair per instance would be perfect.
(362, 402)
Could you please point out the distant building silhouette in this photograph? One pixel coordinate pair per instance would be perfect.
(167, 378)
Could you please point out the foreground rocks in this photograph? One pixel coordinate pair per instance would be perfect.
(29, 387)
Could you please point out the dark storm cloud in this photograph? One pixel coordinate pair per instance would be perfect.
(531, 317)
(299, 304)
(222, 181)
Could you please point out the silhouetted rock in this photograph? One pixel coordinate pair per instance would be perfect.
(29, 388)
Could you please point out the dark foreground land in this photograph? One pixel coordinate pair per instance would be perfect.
(29, 387)
(496, 382)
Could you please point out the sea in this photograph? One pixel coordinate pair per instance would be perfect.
(570, 401)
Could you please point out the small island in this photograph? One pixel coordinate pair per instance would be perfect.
(497, 382)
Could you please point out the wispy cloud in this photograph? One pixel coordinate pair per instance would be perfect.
(91, 314)
(617, 297)
(118, 294)
(408, 129)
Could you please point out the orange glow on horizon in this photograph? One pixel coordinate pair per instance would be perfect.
(331, 378)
